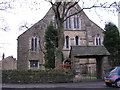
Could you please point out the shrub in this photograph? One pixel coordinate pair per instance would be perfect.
(32, 76)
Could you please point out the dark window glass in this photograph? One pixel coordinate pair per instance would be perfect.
(68, 23)
(99, 41)
(118, 71)
(96, 41)
(34, 44)
(33, 63)
(76, 21)
(67, 41)
(76, 40)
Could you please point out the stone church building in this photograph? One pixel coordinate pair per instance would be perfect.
(79, 30)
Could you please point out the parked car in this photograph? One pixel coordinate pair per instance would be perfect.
(113, 77)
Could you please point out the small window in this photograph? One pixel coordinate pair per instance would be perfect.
(97, 40)
(34, 64)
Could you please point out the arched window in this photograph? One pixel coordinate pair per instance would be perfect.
(76, 40)
(67, 41)
(34, 44)
(76, 21)
(97, 43)
(54, 22)
(97, 40)
(68, 22)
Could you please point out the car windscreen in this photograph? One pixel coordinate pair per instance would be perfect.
(119, 71)
(114, 70)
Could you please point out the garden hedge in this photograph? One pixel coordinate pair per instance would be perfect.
(41, 76)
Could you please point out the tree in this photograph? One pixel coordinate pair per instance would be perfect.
(61, 8)
(112, 43)
(50, 46)
(4, 5)
(25, 25)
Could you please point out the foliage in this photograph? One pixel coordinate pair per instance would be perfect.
(112, 43)
(32, 76)
(50, 46)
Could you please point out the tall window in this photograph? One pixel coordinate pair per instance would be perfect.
(67, 41)
(68, 22)
(76, 21)
(76, 40)
(97, 40)
(34, 44)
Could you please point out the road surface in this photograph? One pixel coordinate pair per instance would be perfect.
(90, 85)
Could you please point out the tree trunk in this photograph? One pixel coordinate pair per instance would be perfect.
(59, 53)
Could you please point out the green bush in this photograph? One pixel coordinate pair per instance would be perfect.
(32, 76)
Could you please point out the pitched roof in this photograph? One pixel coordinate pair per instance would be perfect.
(88, 51)
(48, 14)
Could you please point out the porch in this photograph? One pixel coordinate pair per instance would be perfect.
(98, 53)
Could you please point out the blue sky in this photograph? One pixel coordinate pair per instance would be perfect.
(27, 11)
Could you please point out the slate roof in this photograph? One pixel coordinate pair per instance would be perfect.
(88, 51)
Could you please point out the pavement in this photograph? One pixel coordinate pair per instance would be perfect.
(95, 84)
(87, 85)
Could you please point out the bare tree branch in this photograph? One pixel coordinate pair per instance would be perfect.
(72, 5)
(3, 25)
(66, 6)
(104, 5)
(25, 25)
(6, 5)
